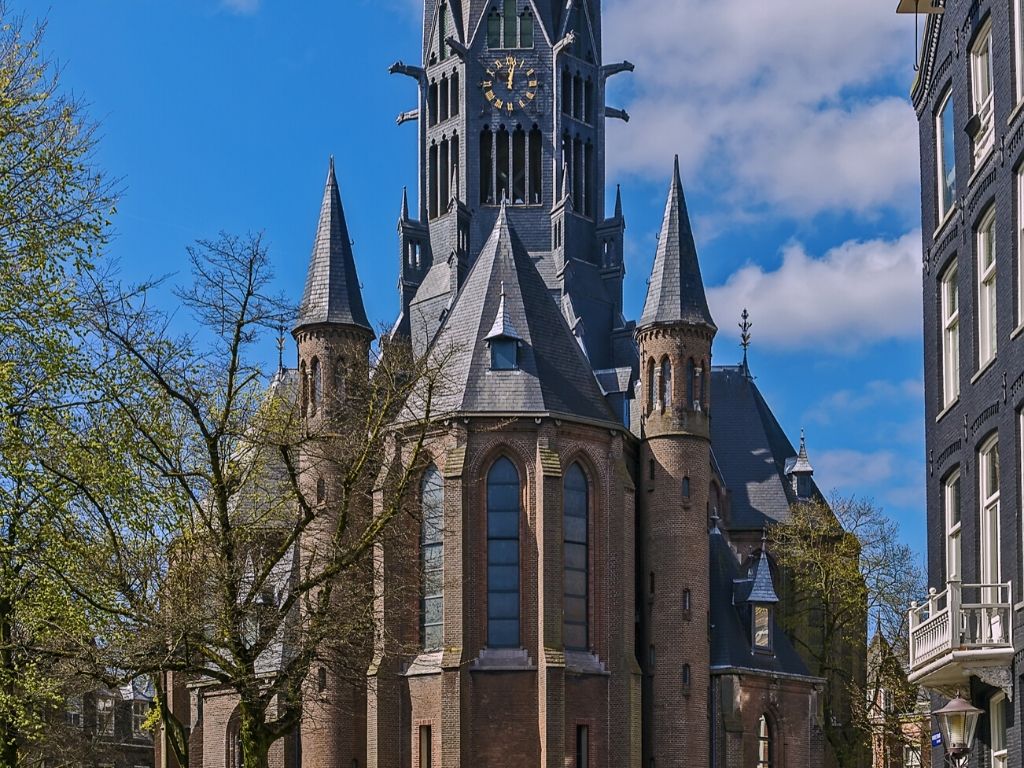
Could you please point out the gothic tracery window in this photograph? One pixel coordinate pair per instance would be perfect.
(503, 514)
(432, 559)
(511, 166)
(575, 503)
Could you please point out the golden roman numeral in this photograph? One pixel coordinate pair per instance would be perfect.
(522, 104)
(489, 95)
(530, 95)
(487, 84)
(534, 83)
(499, 103)
(509, 107)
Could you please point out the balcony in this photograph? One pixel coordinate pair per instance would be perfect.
(965, 630)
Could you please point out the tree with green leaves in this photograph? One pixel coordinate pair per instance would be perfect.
(54, 205)
(844, 566)
(207, 543)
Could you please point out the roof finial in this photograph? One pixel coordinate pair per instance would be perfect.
(405, 203)
(745, 337)
(803, 443)
(764, 537)
(280, 347)
(618, 201)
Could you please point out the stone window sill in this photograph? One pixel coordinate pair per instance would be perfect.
(503, 660)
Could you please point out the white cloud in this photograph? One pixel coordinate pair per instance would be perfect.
(241, 7)
(856, 294)
(767, 102)
(847, 470)
(847, 402)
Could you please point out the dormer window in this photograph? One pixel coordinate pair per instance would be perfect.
(504, 354)
(762, 623)
(503, 339)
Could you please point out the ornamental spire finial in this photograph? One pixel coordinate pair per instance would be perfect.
(745, 326)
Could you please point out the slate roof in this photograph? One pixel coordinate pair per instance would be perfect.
(762, 588)
(751, 450)
(553, 376)
(676, 291)
(730, 631)
(332, 292)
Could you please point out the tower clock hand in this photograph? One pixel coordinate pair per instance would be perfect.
(511, 74)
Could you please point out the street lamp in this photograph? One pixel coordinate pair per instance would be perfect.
(957, 721)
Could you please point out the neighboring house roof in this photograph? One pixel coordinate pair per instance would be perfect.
(504, 290)
(332, 293)
(730, 633)
(676, 291)
(752, 451)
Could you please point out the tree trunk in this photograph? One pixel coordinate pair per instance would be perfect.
(255, 739)
(8, 729)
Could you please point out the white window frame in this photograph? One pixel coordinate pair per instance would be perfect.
(950, 299)
(944, 205)
(140, 711)
(953, 498)
(989, 566)
(997, 727)
(911, 756)
(105, 715)
(1020, 241)
(982, 90)
(1018, 48)
(987, 262)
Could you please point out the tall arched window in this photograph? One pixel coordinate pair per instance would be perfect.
(503, 555)
(501, 166)
(233, 747)
(304, 384)
(519, 166)
(432, 559)
(443, 99)
(432, 103)
(511, 25)
(650, 385)
(575, 505)
(454, 94)
(494, 30)
(536, 190)
(691, 374)
(314, 385)
(703, 383)
(526, 30)
(487, 166)
(442, 31)
(764, 743)
(665, 399)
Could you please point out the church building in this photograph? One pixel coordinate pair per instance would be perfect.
(595, 590)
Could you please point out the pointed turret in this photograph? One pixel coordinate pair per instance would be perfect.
(676, 291)
(618, 201)
(404, 216)
(332, 294)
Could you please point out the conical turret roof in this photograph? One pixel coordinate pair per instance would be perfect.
(504, 296)
(332, 292)
(676, 290)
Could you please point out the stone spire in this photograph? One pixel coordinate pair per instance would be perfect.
(676, 291)
(404, 216)
(332, 292)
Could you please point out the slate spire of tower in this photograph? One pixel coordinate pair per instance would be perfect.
(676, 290)
(332, 293)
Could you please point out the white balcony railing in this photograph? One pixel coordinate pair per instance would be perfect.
(960, 618)
(985, 138)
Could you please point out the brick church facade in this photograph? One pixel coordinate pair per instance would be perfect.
(594, 590)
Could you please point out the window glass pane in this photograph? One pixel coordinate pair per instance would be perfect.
(494, 31)
(511, 31)
(575, 506)
(526, 31)
(761, 626)
(946, 135)
(432, 558)
(503, 555)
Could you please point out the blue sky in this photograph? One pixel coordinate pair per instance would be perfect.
(798, 148)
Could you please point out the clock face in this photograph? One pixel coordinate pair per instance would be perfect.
(509, 84)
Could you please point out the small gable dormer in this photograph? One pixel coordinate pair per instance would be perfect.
(503, 339)
(800, 473)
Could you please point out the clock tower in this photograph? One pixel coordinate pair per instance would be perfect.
(511, 108)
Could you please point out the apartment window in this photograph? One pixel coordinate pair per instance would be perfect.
(140, 711)
(1020, 243)
(764, 743)
(503, 555)
(582, 746)
(950, 335)
(432, 559)
(426, 747)
(982, 125)
(911, 757)
(987, 317)
(74, 711)
(945, 135)
(951, 506)
(1018, 49)
(105, 715)
(988, 473)
(997, 730)
(575, 504)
